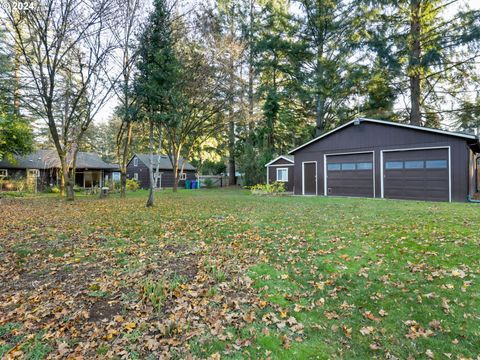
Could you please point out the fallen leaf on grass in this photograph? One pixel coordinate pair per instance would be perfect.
(367, 330)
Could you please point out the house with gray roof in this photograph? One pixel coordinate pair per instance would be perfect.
(138, 169)
(44, 166)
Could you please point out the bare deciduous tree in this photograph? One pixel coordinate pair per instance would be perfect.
(66, 48)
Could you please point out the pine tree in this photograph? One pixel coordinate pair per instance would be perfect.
(158, 72)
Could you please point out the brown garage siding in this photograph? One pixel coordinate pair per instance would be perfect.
(374, 136)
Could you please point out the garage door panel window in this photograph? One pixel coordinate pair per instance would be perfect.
(436, 164)
(334, 167)
(414, 164)
(348, 166)
(364, 166)
(393, 165)
(282, 174)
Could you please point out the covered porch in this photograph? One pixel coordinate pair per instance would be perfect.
(93, 178)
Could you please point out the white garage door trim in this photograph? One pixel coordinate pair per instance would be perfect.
(325, 185)
(420, 148)
(303, 176)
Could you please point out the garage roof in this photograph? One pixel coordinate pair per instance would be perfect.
(438, 131)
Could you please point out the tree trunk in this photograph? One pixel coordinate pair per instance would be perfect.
(414, 71)
(123, 182)
(67, 184)
(320, 100)
(175, 174)
(124, 160)
(251, 74)
(231, 123)
(320, 116)
(159, 153)
(151, 195)
(231, 153)
(176, 156)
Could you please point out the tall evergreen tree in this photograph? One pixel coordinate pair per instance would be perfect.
(158, 72)
(426, 45)
(16, 136)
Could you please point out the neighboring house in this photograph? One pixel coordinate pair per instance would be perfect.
(382, 159)
(44, 166)
(281, 170)
(138, 169)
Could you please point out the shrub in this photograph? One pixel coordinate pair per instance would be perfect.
(15, 185)
(273, 188)
(77, 188)
(208, 183)
(132, 185)
(54, 189)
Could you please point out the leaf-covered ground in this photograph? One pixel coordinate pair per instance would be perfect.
(223, 274)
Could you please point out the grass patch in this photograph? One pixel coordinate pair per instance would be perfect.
(243, 276)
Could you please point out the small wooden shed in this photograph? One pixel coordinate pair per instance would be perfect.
(281, 170)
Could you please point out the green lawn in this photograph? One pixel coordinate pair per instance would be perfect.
(222, 273)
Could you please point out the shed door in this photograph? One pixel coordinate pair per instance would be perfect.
(416, 175)
(309, 178)
(350, 175)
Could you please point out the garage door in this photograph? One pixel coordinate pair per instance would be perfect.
(350, 175)
(416, 174)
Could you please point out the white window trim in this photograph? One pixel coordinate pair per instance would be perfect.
(135, 161)
(303, 176)
(325, 177)
(286, 169)
(183, 176)
(135, 176)
(3, 173)
(421, 148)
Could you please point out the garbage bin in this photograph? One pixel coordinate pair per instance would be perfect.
(198, 183)
(104, 192)
(194, 184)
(188, 184)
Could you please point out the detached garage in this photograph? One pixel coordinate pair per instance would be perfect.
(382, 159)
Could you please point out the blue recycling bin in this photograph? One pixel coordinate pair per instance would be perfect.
(194, 184)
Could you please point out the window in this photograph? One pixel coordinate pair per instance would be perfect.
(33, 173)
(135, 176)
(183, 176)
(364, 166)
(282, 174)
(332, 167)
(348, 166)
(135, 161)
(414, 164)
(394, 165)
(436, 164)
(3, 173)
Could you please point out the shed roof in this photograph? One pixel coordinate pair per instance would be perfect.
(47, 159)
(384, 122)
(165, 163)
(285, 157)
